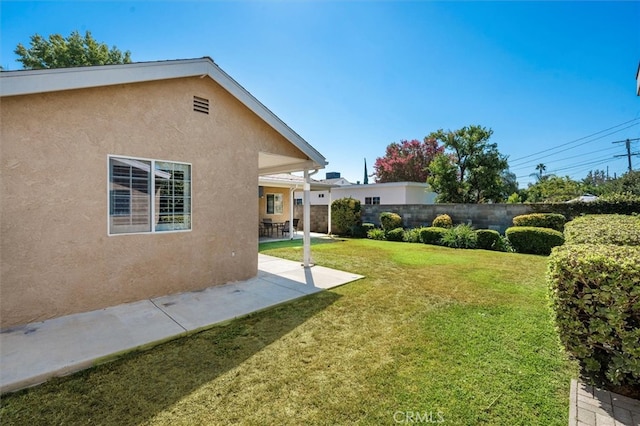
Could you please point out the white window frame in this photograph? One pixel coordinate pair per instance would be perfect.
(152, 195)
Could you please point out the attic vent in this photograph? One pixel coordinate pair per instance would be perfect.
(201, 105)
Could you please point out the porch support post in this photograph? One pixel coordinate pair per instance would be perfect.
(306, 242)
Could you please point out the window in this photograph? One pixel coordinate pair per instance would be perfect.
(132, 203)
(274, 204)
(372, 200)
(298, 201)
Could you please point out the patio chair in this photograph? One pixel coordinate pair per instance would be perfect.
(285, 227)
(268, 226)
(295, 225)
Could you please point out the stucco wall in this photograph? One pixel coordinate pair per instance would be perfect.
(56, 256)
(286, 204)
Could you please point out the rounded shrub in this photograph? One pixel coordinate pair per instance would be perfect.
(442, 221)
(488, 239)
(533, 240)
(376, 234)
(594, 294)
(461, 236)
(389, 221)
(541, 220)
(345, 216)
(395, 235)
(432, 234)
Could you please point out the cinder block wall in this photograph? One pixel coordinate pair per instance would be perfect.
(482, 216)
(319, 218)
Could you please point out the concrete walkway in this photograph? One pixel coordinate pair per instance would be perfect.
(590, 406)
(35, 352)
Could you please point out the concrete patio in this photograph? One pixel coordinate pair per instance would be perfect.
(35, 352)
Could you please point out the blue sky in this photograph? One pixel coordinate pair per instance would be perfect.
(554, 80)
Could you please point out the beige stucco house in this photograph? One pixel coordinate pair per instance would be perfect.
(124, 182)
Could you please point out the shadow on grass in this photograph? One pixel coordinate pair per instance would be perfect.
(139, 386)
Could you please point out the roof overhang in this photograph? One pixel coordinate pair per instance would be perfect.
(286, 180)
(27, 82)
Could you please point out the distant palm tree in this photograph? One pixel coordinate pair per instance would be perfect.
(540, 176)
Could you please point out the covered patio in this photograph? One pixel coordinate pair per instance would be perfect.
(276, 201)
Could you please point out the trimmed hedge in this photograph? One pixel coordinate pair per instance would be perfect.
(395, 235)
(442, 221)
(619, 205)
(389, 221)
(533, 240)
(604, 229)
(432, 234)
(595, 294)
(541, 220)
(487, 239)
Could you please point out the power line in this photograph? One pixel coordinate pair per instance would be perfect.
(579, 139)
(570, 148)
(568, 158)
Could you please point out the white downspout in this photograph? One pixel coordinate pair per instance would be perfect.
(291, 202)
(306, 260)
(329, 214)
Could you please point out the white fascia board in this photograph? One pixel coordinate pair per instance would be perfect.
(28, 82)
(290, 167)
(25, 82)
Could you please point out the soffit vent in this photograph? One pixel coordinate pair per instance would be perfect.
(201, 105)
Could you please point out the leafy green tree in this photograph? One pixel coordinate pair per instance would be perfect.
(478, 165)
(628, 183)
(73, 51)
(444, 180)
(554, 189)
(596, 182)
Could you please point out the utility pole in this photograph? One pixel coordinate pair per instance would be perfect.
(629, 153)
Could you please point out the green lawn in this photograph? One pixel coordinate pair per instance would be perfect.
(430, 334)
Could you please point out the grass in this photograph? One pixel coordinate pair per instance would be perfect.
(463, 336)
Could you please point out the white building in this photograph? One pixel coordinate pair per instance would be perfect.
(375, 193)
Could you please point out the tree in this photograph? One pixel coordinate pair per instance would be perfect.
(554, 189)
(444, 180)
(479, 167)
(540, 169)
(629, 183)
(596, 182)
(73, 51)
(407, 161)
